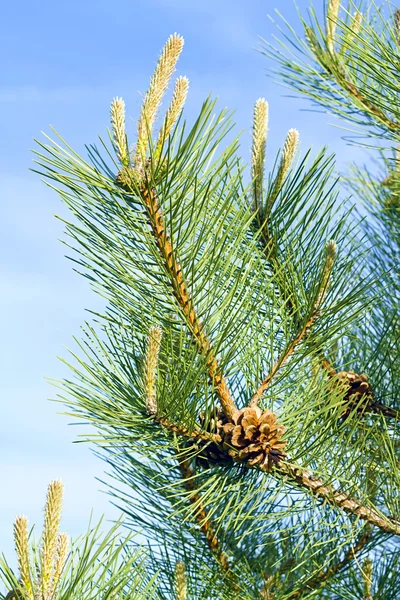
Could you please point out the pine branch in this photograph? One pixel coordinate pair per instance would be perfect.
(316, 487)
(343, 80)
(386, 411)
(202, 517)
(185, 432)
(182, 295)
(302, 334)
(334, 69)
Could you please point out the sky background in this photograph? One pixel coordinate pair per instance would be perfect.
(62, 63)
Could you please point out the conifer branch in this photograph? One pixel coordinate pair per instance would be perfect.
(330, 254)
(152, 100)
(352, 89)
(21, 540)
(386, 411)
(317, 580)
(183, 298)
(316, 487)
(337, 71)
(312, 485)
(185, 432)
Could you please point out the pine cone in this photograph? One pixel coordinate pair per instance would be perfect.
(357, 387)
(212, 453)
(253, 438)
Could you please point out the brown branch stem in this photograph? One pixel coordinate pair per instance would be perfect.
(185, 432)
(202, 517)
(276, 266)
(182, 296)
(337, 498)
(305, 480)
(282, 360)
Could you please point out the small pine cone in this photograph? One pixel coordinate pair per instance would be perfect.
(130, 179)
(253, 438)
(212, 453)
(356, 387)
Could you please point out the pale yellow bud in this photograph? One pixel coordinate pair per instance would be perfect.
(158, 85)
(175, 108)
(356, 23)
(258, 150)
(118, 130)
(330, 256)
(332, 16)
(61, 559)
(150, 368)
(180, 581)
(367, 577)
(52, 518)
(21, 539)
(288, 154)
(397, 25)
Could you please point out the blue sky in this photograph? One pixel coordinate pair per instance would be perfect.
(62, 63)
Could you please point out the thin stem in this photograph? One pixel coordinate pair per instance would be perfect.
(182, 296)
(318, 579)
(202, 517)
(185, 432)
(282, 360)
(337, 498)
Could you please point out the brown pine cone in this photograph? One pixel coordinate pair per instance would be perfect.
(212, 453)
(253, 437)
(357, 387)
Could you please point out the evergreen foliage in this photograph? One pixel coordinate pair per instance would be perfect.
(243, 378)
